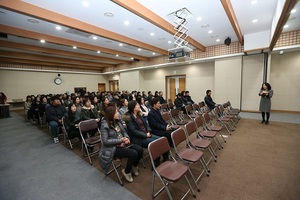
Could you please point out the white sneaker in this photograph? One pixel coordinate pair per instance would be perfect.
(128, 176)
(56, 140)
(135, 170)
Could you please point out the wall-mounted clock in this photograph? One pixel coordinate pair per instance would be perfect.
(57, 81)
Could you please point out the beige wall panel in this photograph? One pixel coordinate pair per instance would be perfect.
(252, 78)
(130, 81)
(285, 81)
(19, 84)
(228, 81)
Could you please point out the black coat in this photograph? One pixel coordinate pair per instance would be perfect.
(157, 123)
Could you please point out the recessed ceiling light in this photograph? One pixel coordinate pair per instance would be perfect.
(98, 51)
(42, 41)
(152, 34)
(210, 31)
(126, 23)
(74, 47)
(58, 27)
(95, 37)
(120, 44)
(204, 25)
(153, 53)
(199, 18)
(85, 3)
(109, 14)
(286, 26)
(254, 21)
(139, 49)
(169, 41)
(131, 58)
(293, 11)
(140, 29)
(217, 40)
(253, 2)
(33, 21)
(117, 55)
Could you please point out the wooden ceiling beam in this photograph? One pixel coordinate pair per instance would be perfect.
(74, 55)
(233, 20)
(38, 12)
(143, 12)
(51, 59)
(51, 64)
(48, 38)
(285, 14)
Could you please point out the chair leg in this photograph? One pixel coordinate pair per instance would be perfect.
(195, 181)
(191, 189)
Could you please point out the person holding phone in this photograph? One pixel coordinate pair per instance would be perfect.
(266, 94)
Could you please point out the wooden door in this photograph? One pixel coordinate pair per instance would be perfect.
(101, 87)
(181, 84)
(172, 89)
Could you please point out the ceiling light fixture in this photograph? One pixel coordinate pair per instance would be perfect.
(85, 3)
(286, 26)
(109, 14)
(33, 21)
(199, 18)
(98, 51)
(117, 55)
(254, 21)
(58, 27)
(74, 47)
(131, 58)
(139, 49)
(126, 23)
(293, 11)
(210, 31)
(217, 40)
(253, 2)
(42, 41)
(95, 37)
(120, 44)
(152, 34)
(169, 41)
(153, 53)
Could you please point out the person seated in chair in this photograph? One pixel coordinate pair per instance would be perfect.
(209, 101)
(179, 103)
(54, 114)
(137, 126)
(188, 98)
(72, 119)
(115, 144)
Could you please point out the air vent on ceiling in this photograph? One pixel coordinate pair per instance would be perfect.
(78, 32)
(129, 47)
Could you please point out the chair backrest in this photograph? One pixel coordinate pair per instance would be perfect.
(201, 104)
(206, 118)
(188, 109)
(196, 107)
(171, 105)
(158, 147)
(88, 125)
(164, 107)
(166, 116)
(190, 128)
(178, 136)
(169, 101)
(198, 121)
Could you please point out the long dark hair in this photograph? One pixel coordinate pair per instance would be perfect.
(71, 115)
(109, 114)
(268, 86)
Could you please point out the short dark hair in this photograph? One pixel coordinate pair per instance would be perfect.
(85, 99)
(208, 91)
(131, 105)
(154, 101)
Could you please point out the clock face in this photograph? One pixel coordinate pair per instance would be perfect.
(57, 81)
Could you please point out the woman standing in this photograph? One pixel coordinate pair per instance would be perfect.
(266, 94)
(115, 139)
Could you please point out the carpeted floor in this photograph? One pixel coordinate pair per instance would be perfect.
(257, 162)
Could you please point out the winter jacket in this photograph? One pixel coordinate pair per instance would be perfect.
(89, 113)
(157, 123)
(55, 113)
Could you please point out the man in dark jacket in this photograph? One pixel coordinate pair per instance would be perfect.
(54, 115)
(157, 124)
(208, 100)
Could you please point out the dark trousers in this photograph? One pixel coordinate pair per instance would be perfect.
(133, 153)
(263, 116)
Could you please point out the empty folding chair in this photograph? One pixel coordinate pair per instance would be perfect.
(169, 171)
(236, 113)
(197, 109)
(175, 117)
(198, 143)
(207, 133)
(164, 108)
(190, 112)
(167, 118)
(188, 155)
(89, 142)
(203, 107)
(226, 122)
(170, 105)
(226, 115)
(210, 126)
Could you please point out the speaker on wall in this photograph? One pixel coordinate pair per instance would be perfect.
(227, 41)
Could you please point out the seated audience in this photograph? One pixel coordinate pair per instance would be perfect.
(34, 110)
(78, 103)
(138, 128)
(96, 104)
(209, 101)
(54, 115)
(179, 103)
(144, 109)
(88, 111)
(104, 104)
(124, 107)
(72, 119)
(42, 108)
(27, 106)
(161, 98)
(115, 139)
(157, 124)
(188, 98)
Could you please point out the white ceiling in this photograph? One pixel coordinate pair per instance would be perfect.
(211, 12)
